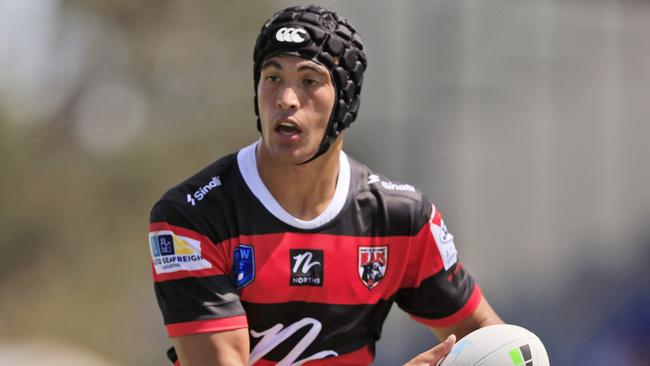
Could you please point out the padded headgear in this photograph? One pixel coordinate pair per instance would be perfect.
(323, 36)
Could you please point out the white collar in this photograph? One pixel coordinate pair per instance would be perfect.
(247, 161)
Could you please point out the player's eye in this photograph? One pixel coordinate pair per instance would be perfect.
(272, 78)
(310, 82)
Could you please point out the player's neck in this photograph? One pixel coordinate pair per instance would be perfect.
(304, 191)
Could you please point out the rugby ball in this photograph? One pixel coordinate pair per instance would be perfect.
(498, 345)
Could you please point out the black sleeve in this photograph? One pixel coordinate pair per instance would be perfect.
(191, 274)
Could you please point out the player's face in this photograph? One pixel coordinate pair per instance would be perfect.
(295, 98)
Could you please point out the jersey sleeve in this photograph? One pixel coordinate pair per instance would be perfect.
(191, 275)
(436, 289)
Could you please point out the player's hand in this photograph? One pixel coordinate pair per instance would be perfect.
(434, 355)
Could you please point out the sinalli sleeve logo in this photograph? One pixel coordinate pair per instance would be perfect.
(173, 253)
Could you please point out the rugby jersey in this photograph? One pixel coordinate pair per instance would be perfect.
(226, 255)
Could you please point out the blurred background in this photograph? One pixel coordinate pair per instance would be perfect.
(527, 122)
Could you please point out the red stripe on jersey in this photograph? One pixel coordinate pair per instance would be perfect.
(341, 267)
(424, 259)
(464, 312)
(436, 216)
(212, 253)
(207, 326)
(409, 261)
(360, 357)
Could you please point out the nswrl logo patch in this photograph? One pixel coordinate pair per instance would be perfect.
(243, 265)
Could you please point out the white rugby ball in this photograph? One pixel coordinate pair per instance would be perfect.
(498, 345)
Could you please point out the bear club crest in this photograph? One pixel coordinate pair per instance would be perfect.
(372, 265)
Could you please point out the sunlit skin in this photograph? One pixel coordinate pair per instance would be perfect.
(296, 97)
(299, 92)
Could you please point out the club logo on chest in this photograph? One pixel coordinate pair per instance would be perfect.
(306, 267)
(372, 265)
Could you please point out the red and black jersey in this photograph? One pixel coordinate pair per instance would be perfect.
(226, 255)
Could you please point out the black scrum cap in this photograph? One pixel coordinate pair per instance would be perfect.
(321, 35)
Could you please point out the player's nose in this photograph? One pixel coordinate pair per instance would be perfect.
(288, 98)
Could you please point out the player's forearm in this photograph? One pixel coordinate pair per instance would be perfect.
(221, 348)
(483, 316)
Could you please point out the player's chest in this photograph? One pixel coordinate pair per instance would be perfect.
(316, 268)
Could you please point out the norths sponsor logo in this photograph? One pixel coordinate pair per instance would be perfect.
(306, 267)
(203, 191)
(307, 328)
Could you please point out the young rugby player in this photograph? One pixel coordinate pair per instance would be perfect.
(289, 251)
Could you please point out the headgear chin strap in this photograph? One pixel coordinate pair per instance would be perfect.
(323, 36)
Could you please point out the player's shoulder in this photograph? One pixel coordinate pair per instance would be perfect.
(398, 197)
(369, 180)
(197, 192)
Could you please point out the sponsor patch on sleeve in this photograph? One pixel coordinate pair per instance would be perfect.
(172, 253)
(444, 239)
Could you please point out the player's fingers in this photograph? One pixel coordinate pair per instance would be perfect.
(438, 352)
(434, 355)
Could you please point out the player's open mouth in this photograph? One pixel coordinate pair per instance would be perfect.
(287, 129)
